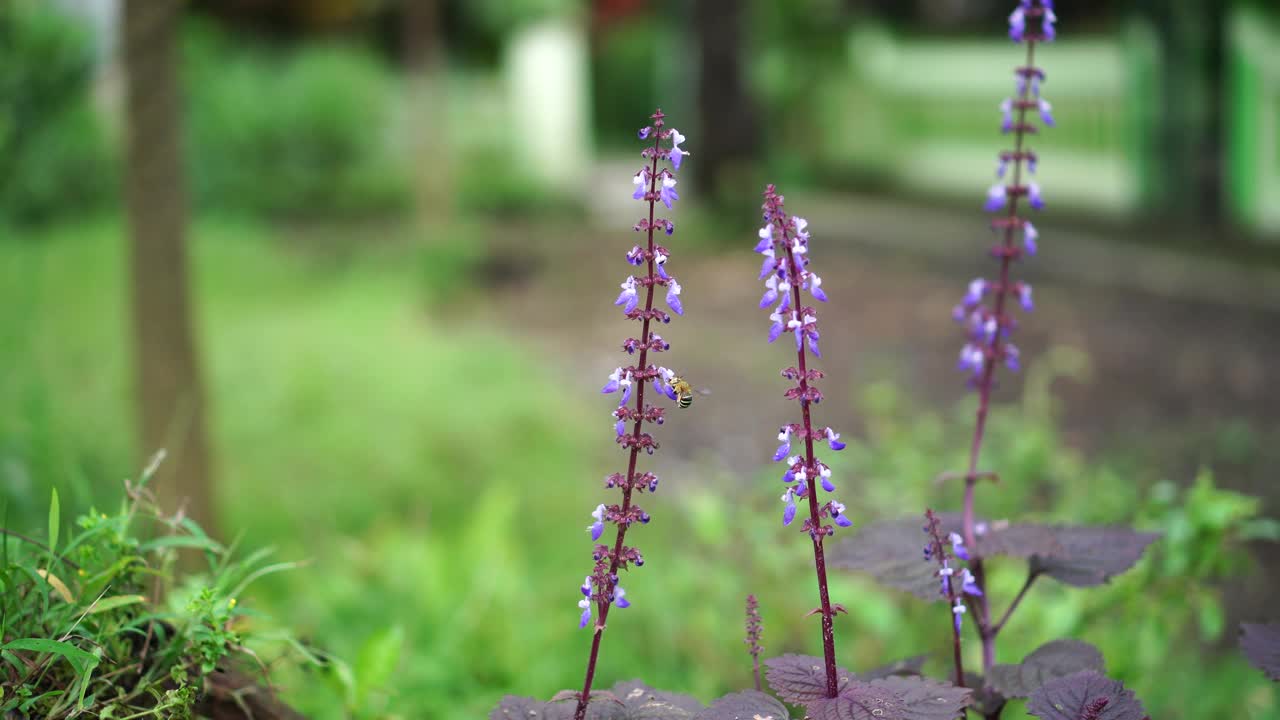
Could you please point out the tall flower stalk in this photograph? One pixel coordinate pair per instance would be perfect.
(984, 311)
(784, 242)
(601, 589)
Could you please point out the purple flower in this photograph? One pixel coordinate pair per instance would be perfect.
(1017, 24)
(629, 298)
(995, 198)
(1011, 360)
(1002, 165)
(972, 359)
(771, 291)
(586, 586)
(833, 439)
(958, 611)
(1048, 30)
(636, 256)
(1046, 116)
(813, 343)
(668, 193)
(815, 288)
(1006, 115)
(824, 472)
(643, 134)
(968, 584)
(597, 528)
(766, 238)
(837, 512)
(784, 437)
(673, 297)
(617, 378)
(977, 288)
(641, 181)
(769, 265)
(1033, 196)
(677, 155)
(585, 604)
(620, 597)
(1029, 237)
(789, 513)
(1024, 296)
(776, 329)
(957, 546)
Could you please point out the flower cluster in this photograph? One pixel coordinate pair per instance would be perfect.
(988, 327)
(951, 586)
(601, 589)
(784, 243)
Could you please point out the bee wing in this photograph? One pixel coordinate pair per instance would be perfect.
(703, 391)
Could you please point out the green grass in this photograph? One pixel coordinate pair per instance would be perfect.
(438, 475)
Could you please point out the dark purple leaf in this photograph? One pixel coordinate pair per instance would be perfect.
(1261, 644)
(1049, 661)
(907, 666)
(892, 551)
(1085, 695)
(644, 703)
(801, 678)
(748, 705)
(1093, 555)
(985, 700)
(894, 698)
(514, 707)
(603, 706)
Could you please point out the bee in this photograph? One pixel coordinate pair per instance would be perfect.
(684, 392)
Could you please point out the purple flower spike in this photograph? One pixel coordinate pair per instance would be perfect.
(789, 513)
(597, 528)
(673, 297)
(833, 439)
(620, 597)
(1046, 115)
(668, 193)
(586, 612)
(1033, 196)
(676, 155)
(996, 198)
(1029, 237)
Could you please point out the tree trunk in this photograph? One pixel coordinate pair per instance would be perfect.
(168, 391)
(423, 53)
(725, 142)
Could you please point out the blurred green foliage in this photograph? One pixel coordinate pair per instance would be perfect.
(438, 476)
(303, 134)
(54, 158)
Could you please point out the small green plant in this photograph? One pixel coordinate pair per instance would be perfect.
(106, 625)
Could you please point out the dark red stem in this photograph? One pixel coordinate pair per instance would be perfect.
(986, 630)
(815, 519)
(605, 601)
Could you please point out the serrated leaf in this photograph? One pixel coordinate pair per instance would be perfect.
(1085, 695)
(746, 705)
(801, 678)
(1050, 661)
(892, 553)
(985, 700)
(906, 666)
(515, 707)
(1093, 555)
(644, 703)
(1261, 645)
(895, 698)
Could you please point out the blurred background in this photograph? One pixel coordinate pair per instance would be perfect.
(351, 263)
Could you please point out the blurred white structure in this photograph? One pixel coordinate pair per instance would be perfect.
(547, 85)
